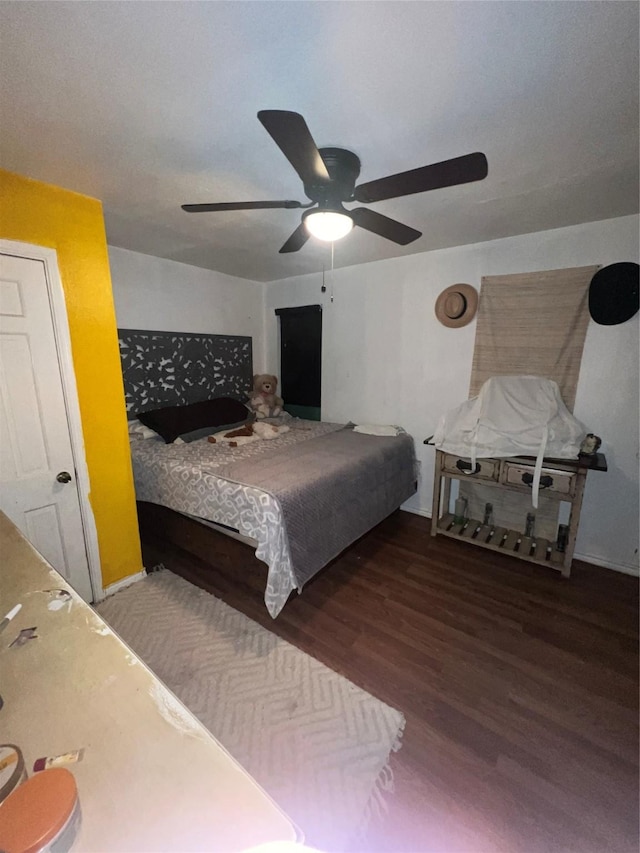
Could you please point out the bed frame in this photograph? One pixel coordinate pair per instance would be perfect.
(219, 547)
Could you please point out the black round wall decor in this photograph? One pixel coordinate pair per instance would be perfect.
(614, 294)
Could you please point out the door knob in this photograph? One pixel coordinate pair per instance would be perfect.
(63, 477)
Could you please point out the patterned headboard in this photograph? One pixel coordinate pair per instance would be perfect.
(176, 368)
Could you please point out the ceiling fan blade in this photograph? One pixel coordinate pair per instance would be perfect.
(296, 241)
(292, 136)
(448, 173)
(383, 226)
(239, 205)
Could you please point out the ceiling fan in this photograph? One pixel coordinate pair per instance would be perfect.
(329, 176)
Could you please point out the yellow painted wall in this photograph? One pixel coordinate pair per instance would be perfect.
(73, 225)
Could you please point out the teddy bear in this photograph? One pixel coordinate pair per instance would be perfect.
(263, 400)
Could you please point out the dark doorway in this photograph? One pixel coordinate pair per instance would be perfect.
(301, 360)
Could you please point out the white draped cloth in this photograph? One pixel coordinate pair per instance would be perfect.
(512, 416)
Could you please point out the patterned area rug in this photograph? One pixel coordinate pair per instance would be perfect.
(316, 743)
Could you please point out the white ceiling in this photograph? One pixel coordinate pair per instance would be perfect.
(148, 105)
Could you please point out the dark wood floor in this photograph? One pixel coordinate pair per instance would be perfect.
(520, 690)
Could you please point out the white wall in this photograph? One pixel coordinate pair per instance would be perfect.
(166, 296)
(386, 359)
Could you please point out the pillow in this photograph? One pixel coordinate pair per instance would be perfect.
(138, 430)
(173, 421)
(378, 429)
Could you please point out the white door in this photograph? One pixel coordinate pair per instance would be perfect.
(38, 483)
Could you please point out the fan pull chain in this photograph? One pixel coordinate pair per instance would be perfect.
(332, 244)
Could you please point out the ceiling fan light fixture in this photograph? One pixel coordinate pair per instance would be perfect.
(327, 225)
(329, 177)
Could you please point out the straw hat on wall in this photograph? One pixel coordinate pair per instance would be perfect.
(457, 305)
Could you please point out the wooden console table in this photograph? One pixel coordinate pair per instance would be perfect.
(562, 480)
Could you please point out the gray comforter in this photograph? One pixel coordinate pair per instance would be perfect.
(297, 527)
(357, 481)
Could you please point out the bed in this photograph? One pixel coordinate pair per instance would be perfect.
(302, 497)
(299, 496)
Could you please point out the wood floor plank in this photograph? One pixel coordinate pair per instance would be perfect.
(520, 689)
